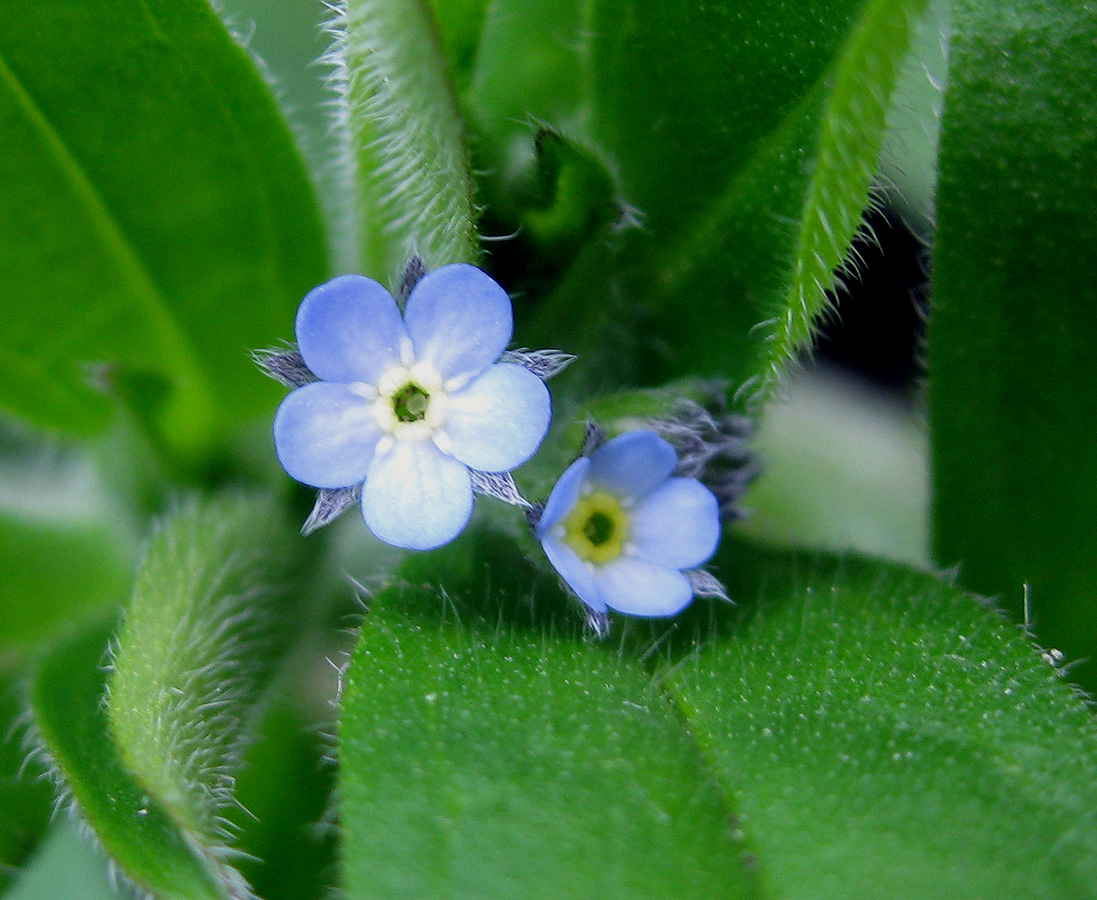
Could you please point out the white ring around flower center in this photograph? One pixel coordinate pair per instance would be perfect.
(422, 378)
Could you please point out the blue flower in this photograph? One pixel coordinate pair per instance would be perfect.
(407, 404)
(624, 533)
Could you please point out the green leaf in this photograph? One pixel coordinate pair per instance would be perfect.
(872, 732)
(284, 797)
(137, 831)
(886, 735)
(149, 752)
(488, 750)
(201, 636)
(404, 163)
(1013, 389)
(24, 797)
(156, 217)
(742, 144)
(460, 23)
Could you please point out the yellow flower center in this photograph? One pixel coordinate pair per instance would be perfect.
(597, 528)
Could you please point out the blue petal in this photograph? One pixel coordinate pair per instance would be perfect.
(416, 496)
(564, 496)
(641, 588)
(349, 329)
(325, 435)
(499, 420)
(459, 320)
(574, 571)
(633, 464)
(678, 525)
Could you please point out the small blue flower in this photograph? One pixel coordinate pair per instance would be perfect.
(406, 405)
(624, 533)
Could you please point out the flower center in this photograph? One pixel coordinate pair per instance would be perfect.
(597, 528)
(411, 402)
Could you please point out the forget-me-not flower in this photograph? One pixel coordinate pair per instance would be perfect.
(624, 533)
(407, 404)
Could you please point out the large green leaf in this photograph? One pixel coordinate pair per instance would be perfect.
(872, 730)
(408, 187)
(1013, 376)
(886, 735)
(741, 145)
(487, 750)
(155, 214)
(149, 752)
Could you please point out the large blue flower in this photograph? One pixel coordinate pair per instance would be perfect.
(620, 529)
(406, 405)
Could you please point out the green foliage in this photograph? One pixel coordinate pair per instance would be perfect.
(478, 720)
(742, 147)
(850, 692)
(66, 868)
(678, 184)
(409, 187)
(147, 186)
(135, 828)
(24, 800)
(149, 752)
(1013, 390)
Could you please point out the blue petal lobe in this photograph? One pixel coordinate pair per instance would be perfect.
(459, 320)
(574, 571)
(416, 496)
(633, 464)
(500, 419)
(325, 435)
(349, 329)
(677, 525)
(564, 496)
(640, 588)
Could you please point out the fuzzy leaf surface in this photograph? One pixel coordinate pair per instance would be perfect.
(887, 735)
(487, 750)
(872, 732)
(155, 216)
(404, 162)
(200, 638)
(1013, 376)
(24, 797)
(149, 751)
(137, 831)
(741, 145)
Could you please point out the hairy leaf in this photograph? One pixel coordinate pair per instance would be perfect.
(488, 750)
(24, 797)
(404, 161)
(135, 829)
(873, 732)
(156, 219)
(741, 145)
(886, 735)
(1013, 390)
(149, 752)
